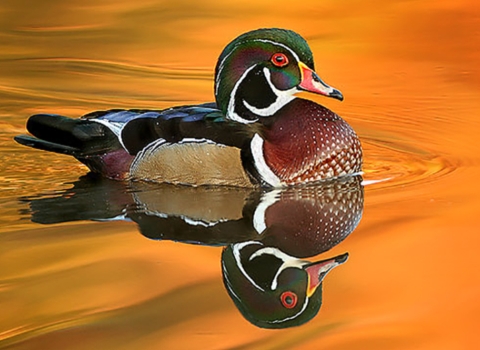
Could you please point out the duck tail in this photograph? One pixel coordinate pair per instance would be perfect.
(76, 137)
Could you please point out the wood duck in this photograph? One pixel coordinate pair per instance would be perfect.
(268, 234)
(273, 289)
(258, 133)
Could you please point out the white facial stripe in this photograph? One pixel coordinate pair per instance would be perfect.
(294, 54)
(283, 97)
(256, 146)
(229, 284)
(259, 215)
(220, 69)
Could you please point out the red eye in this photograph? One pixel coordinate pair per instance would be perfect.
(289, 299)
(279, 59)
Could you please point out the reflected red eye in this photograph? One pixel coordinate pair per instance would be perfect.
(279, 59)
(289, 299)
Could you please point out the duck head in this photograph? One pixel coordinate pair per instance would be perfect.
(261, 71)
(272, 289)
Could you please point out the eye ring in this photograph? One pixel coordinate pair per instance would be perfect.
(279, 59)
(289, 299)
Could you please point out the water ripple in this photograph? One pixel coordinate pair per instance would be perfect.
(119, 67)
(395, 164)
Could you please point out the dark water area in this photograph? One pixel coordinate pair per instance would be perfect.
(89, 264)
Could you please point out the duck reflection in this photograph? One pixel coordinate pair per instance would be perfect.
(272, 289)
(267, 234)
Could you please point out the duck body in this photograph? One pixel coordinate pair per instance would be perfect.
(257, 133)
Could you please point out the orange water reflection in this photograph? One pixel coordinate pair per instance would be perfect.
(410, 75)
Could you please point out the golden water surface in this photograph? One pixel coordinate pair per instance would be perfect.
(410, 74)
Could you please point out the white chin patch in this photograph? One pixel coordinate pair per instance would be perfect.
(283, 97)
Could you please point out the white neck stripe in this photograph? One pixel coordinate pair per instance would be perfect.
(267, 175)
(267, 200)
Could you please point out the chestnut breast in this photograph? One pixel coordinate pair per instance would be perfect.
(308, 142)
